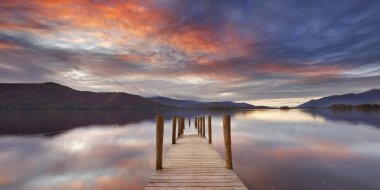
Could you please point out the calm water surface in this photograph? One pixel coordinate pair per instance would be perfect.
(272, 149)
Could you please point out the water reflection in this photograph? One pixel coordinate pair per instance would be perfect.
(269, 154)
(354, 116)
(84, 158)
(54, 122)
(279, 116)
(272, 149)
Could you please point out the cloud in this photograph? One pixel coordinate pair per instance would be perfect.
(251, 49)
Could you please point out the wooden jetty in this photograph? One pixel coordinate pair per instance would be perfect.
(192, 162)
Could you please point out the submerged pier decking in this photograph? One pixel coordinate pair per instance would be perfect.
(193, 163)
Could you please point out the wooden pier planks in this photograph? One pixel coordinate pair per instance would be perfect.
(193, 163)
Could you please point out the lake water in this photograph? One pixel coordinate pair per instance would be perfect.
(272, 149)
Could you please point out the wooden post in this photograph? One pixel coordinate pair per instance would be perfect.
(227, 140)
(159, 140)
(183, 125)
(195, 122)
(179, 126)
(201, 122)
(200, 125)
(209, 130)
(189, 122)
(174, 127)
(204, 125)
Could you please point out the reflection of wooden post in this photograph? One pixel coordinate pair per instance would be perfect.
(209, 130)
(174, 127)
(179, 125)
(227, 140)
(159, 140)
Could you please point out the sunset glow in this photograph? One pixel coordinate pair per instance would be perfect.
(252, 51)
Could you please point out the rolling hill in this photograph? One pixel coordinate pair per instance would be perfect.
(55, 96)
(51, 95)
(368, 97)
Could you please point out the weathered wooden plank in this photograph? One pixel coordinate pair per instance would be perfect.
(193, 163)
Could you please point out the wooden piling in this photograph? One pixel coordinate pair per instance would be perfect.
(183, 125)
(204, 125)
(174, 127)
(209, 130)
(159, 140)
(200, 125)
(179, 126)
(227, 140)
(201, 122)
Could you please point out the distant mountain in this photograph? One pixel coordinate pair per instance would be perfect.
(368, 97)
(202, 105)
(55, 96)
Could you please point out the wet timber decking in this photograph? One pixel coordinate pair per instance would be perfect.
(193, 163)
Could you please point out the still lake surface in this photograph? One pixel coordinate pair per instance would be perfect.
(272, 149)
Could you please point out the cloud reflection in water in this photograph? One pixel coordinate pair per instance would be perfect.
(83, 158)
(272, 149)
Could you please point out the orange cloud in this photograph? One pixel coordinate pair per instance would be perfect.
(137, 19)
(134, 31)
(125, 24)
(5, 45)
(303, 71)
(195, 39)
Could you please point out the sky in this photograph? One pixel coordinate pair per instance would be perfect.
(263, 52)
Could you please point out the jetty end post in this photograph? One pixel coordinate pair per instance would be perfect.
(204, 126)
(209, 130)
(179, 126)
(174, 128)
(183, 125)
(227, 140)
(200, 125)
(159, 140)
(202, 129)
